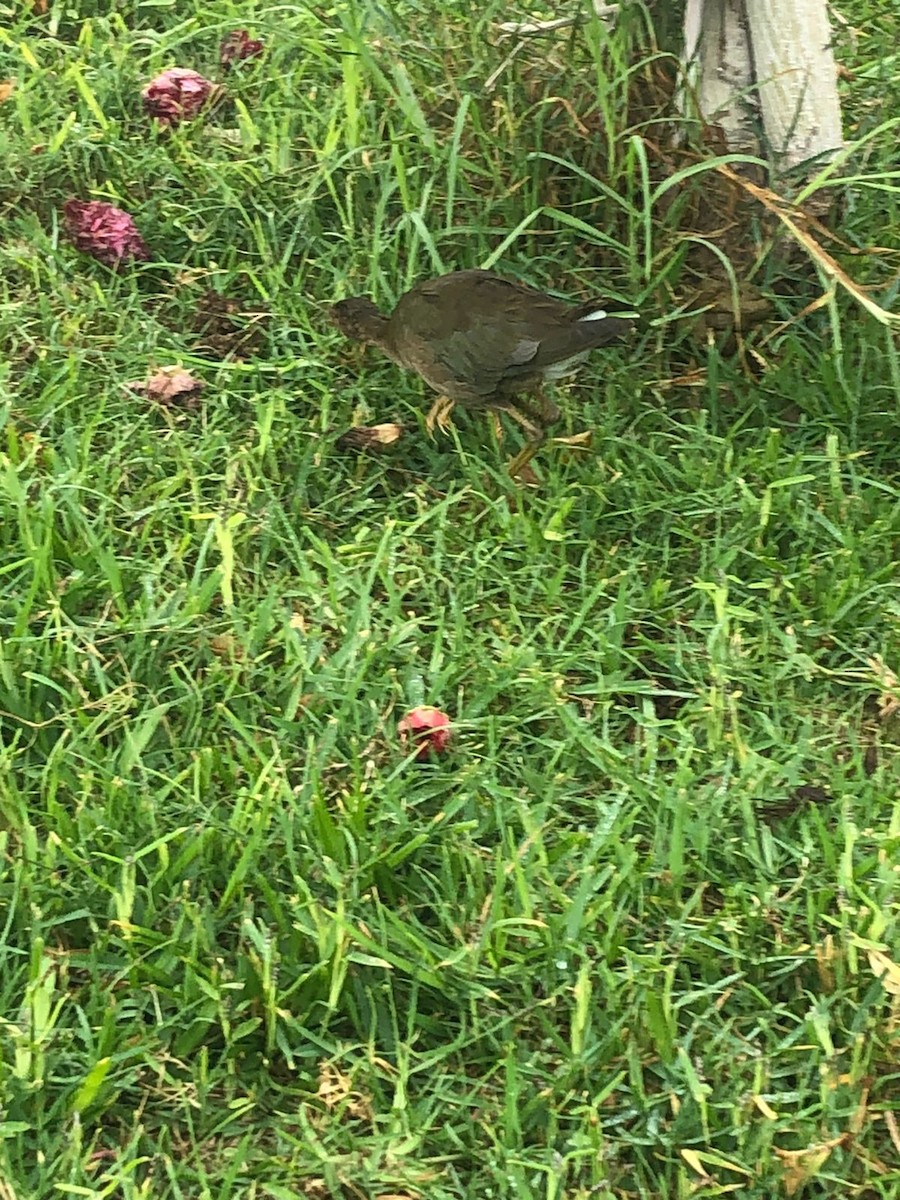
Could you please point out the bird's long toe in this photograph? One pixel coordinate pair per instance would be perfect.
(518, 466)
(440, 415)
(533, 427)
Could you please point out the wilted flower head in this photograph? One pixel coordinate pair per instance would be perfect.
(177, 95)
(237, 46)
(172, 387)
(104, 231)
(428, 728)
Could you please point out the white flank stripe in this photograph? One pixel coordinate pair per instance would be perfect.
(600, 315)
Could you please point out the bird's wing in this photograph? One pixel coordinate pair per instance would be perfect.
(473, 335)
(478, 360)
(466, 334)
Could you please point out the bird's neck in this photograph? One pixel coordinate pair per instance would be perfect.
(382, 333)
(378, 332)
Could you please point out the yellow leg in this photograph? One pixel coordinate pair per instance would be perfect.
(518, 464)
(580, 441)
(537, 435)
(536, 430)
(439, 414)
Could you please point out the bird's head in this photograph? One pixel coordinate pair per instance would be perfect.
(358, 319)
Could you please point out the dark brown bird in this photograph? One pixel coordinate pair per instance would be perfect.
(481, 340)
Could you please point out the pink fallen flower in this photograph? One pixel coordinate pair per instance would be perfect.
(172, 387)
(427, 728)
(178, 95)
(238, 46)
(104, 231)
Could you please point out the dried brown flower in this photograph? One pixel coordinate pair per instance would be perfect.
(178, 94)
(172, 387)
(370, 437)
(104, 231)
(237, 46)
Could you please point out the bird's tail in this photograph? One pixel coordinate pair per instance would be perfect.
(598, 328)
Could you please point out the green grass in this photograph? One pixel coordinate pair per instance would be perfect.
(627, 939)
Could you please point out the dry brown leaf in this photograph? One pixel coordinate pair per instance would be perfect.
(103, 1154)
(308, 702)
(858, 1120)
(889, 700)
(693, 1161)
(810, 308)
(894, 1133)
(825, 955)
(226, 647)
(7, 87)
(790, 216)
(336, 1090)
(188, 276)
(585, 438)
(886, 970)
(334, 1086)
(765, 1108)
(697, 378)
(800, 1166)
(371, 437)
(170, 387)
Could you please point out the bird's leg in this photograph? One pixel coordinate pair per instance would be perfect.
(520, 461)
(534, 420)
(537, 435)
(535, 428)
(439, 414)
(539, 409)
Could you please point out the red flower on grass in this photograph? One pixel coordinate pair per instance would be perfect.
(238, 46)
(104, 231)
(428, 728)
(178, 95)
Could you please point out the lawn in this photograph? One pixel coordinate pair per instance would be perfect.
(636, 935)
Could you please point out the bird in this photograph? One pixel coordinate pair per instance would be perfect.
(483, 341)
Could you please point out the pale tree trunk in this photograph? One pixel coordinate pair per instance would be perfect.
(720, 70)
(768, 63)
(797, 75)
(767, 66)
